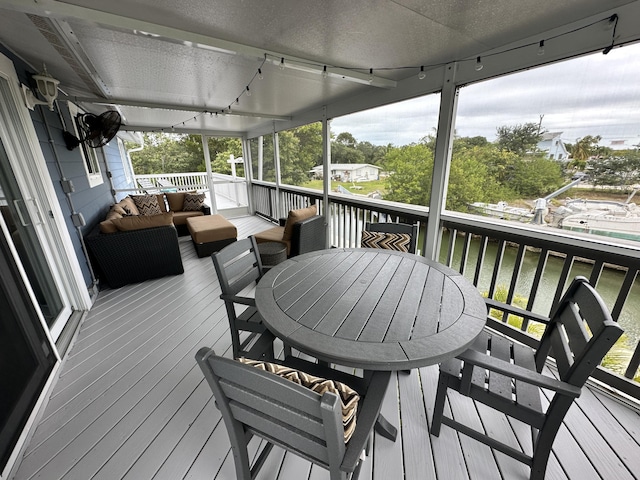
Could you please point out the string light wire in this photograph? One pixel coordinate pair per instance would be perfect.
(612, 22)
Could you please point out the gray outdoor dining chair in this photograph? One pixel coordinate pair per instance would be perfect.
(391, 236)
(238, 266)
(507, 376)
(322, 420)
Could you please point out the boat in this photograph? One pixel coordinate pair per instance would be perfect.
(607, 218)
(502, 210)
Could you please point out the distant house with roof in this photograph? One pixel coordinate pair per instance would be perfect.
(350, 172)
(553, 146)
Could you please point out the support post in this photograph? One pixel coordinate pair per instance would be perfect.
(276, 159)
(442, 160)
(207, 162)
(326, 173)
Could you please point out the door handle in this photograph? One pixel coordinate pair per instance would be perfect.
(17, 204)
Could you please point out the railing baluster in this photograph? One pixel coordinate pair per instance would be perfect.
(543, 256)
(451, 247)
(562, 280)
(625, 288)
(465, 251)
(496, 268)
(480, 260)
(517, 268)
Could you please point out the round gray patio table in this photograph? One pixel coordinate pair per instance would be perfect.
(372, 309)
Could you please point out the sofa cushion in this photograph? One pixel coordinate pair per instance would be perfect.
(119, 210)
(193, 202)
(129, 206)
(147, 204)
(138, 222)
(180, 218)
(349, 398)
(107, 226)
(175, 200)
(161, 202)
(296, 216)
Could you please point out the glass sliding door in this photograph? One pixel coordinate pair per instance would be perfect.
(25, 356)
(22, 230)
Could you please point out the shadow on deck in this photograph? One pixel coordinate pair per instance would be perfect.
(131, 403)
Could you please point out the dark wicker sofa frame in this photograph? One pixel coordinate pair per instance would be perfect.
(134, 256)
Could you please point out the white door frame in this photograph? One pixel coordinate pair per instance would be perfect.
(32, 175)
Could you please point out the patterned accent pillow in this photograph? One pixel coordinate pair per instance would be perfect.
(147, 204)
(349, 398)
(193, 202)
(389, 241)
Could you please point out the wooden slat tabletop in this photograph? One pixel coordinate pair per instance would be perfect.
(372, 309)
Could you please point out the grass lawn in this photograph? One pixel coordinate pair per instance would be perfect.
(359, 188)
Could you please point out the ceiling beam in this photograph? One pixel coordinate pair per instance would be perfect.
(166, 106)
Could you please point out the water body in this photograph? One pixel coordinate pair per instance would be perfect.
(608, 286)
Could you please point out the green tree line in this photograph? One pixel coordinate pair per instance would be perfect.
(507, 169)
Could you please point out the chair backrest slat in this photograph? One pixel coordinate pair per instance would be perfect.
(581, 331)
(575, 328)
(298, 441)
(276, 410)
(237, 265)
(285, 413)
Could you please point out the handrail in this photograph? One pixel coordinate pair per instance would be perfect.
(460, 231)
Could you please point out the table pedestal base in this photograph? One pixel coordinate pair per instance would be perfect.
(383, 427)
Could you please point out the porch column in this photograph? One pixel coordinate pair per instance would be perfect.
(326, 170)
(260, 157)
(248, 172)
(442, 160)
(276, 159)
(207, 162)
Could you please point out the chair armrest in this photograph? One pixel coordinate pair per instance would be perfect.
(491, 303)
(517, 372)
(237, 299)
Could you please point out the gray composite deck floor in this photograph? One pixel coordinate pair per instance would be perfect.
(130, 403)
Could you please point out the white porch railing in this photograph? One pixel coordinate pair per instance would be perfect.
(228, 191)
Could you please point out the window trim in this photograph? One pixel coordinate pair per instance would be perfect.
(89, 155)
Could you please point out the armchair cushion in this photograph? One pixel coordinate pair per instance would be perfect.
(296, 216)
(349, 398)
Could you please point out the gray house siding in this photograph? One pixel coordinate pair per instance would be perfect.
(92, 203)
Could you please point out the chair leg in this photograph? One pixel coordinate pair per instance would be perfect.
(438, 407)
(542, 445)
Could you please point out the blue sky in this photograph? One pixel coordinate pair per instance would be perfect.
(594, 95)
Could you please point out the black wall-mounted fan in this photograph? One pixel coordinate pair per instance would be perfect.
(94, 130)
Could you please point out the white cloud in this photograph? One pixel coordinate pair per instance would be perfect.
(594, 95)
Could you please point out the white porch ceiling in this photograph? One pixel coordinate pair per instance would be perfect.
(165, 62)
